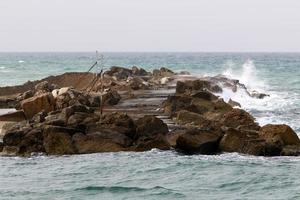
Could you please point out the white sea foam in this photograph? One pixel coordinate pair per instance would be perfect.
(266, 110)
(21, 61)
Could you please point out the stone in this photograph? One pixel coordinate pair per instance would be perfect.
(246, 142)
(234, 103)
(149, 126)
(44, 102)
(137, 71)
(58, 140)
(238, 117)
(156, 142)
(1, 146)
(187, 117)
(111, 97)
(280, 134)
(96, 143)
(198, 141)
(290, 150)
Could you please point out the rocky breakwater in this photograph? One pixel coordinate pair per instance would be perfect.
(59, 120)
(66, 121)
(209, 125)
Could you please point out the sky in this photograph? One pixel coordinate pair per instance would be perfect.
(150, 25)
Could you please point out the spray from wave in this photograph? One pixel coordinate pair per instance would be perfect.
(266, 110)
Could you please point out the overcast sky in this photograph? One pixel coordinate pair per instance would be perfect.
(150, 25)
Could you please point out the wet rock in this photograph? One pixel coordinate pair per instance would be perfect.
(149, 126)
(44, 102)
(198, 141)
(157, 142)
(116, 121)
(280, 134)
(234, 103)
(238, 117)
(186, 117)
(290, 150)
(58, 140)
(258, 95)
(1, 146)
(205, 95)
(189, 87)
(246, 142)
(96, 143)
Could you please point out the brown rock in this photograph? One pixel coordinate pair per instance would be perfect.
(44, 102)
(58, 140)
(149, 126)
(198, 141)
(97, 142)
(186, 117)
(156, 142)
(112, 97)
(279, 134)
(238, 117)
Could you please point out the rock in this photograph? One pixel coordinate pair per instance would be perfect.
(58, 140)
(1, 146)
(165, 80)
(238, 117)
(281, 135)
(15, 116)
(183, 73)
(25, 95)
(8, 103)
(163, 72)
(116, 121)
(149, 126)
(44, 102)
(205, 95)
(137, 83)
(112, 97)
(136, 71)
(258, 95)
(96, 143)
(186, 117)
(81, 120)
(198, 141)
(196, 85)
(234, 103)
(246, 142)
(119, 73)
(43, 87)
(4, 127)
(290, 150)
(156, 142)
(177, 103)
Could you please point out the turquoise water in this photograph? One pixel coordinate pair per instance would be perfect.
(155, 174)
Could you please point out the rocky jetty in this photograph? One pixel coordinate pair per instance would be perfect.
(135, 110)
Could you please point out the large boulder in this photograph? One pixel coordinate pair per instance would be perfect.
(280, 134)
(111, 97)
(137, 71)
(198, 141)
(119, 73)
(104, 141)
(44, 102)
(58, 140)
(238, 118)
(246, 142)
(191, 118)
(44, 87)
(196, 85)
(149, 126)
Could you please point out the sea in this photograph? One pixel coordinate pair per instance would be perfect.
(163, 174)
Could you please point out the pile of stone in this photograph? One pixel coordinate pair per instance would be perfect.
(211, 125)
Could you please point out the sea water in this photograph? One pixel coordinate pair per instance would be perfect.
(156, 174)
